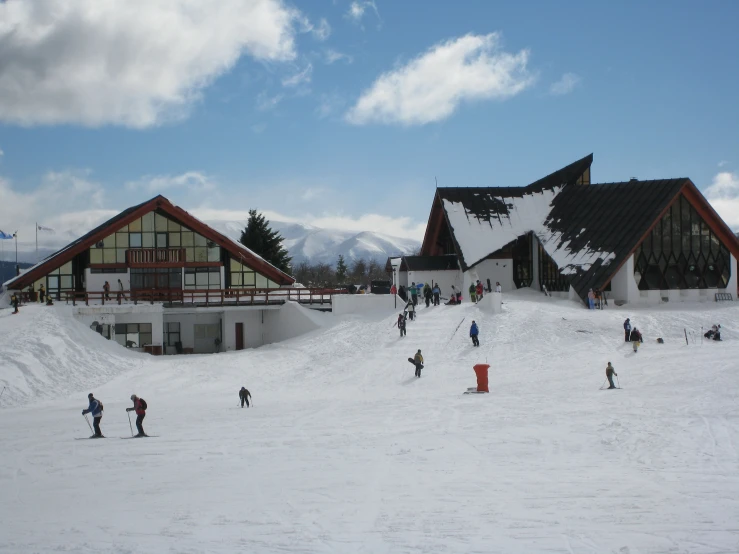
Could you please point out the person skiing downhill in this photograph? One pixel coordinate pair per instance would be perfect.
(244, 396)
(418, 362)
(96, 409)
(139, 406)
(474, 331)
(401, 324)
(610, 372)
(627, 330)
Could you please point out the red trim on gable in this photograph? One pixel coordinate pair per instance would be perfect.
(157, 203)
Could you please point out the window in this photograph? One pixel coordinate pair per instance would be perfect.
(171, 333)
(549, 274)
(242, 276)
(156, 278)
(681, 252)
(522, 262)
(108, 270)
(133, 335)
(203, 278)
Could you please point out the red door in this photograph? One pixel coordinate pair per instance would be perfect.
(239, 336)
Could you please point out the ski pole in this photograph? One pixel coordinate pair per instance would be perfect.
(129, 422)
(604, 383)
(618, 382)
(1, 393)
(88, 422)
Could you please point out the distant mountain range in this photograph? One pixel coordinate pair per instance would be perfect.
(307, 243)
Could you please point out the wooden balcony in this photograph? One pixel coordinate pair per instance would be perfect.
(155, 257)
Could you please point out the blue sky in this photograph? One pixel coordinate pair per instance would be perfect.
(342, 113)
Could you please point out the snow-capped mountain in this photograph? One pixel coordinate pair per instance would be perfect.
(307, 243)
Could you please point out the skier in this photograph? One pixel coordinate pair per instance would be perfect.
(414, 293)
(401, 324)
(471, 290)
(139, 405)
(411, 309)
(636, 339)
(627, 330)
(427, 294)
(610, 372)
(418, 362)
(474, 331)
(436, 291)
(96, 409)
(478, 290)
(498, 288)
(244, 395)
(14, 302)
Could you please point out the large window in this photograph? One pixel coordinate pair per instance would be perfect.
(242, 277)
(171, 333)
(133, 335)
(549, 274)
(522, 262)
(156, 278)
(58, 281)
(681, 252)
(203, 278)
(154, 230)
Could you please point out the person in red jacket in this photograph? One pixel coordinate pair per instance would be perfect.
(139, 405)
(478, 290)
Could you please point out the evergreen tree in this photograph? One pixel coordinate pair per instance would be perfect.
(341, 270)
(260, 239)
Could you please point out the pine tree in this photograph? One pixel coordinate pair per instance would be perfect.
(259, 238)
(341, 270)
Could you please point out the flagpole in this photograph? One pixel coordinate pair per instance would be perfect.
(37, 242)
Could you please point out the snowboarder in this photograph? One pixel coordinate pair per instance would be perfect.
(436, 291)
(49, 300)
(627, 330)
(14, 302)
(244, 396)
(414, 293)
(471, 290)
(610, 372)
(401, 324)
(411, 309)
(636, 339)
(474, 331)
(591, 300)
(478, 290)
(498, 288)
(96, 409)
(41, 293)
(418, 362)
(106, 289)
(139, 406)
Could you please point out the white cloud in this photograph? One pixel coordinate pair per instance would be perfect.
(723, 194)
(358, 9)
(266, 102)
(329, 105)
(432, 86)
(1, 152)
(722, 163)
(565, 85)
(312, 193)
(301, 77)
(193, 181)
(394, 226)
(320, 31)
(333, 56)
(131, 63)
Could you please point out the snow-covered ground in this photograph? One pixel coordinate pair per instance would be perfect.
(345, 451)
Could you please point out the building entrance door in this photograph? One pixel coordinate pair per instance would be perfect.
(239, 336)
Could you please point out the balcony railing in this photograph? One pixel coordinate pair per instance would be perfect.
(144, 257)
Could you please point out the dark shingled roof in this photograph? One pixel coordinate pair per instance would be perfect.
(609, 217)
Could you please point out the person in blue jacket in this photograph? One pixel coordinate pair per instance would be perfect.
(474, 331)
(96, 409)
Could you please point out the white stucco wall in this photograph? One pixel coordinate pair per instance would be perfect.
(188, 320)
(253, 329)
(343, 304)
(495, 270)
(491, 302)
(445, 279)
(94, 281)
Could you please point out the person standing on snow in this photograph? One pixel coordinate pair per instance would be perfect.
(139, 406)
(427, 294)
(411, 309)
(591, 300)
(610, 372)
(414, 293)
(627, 330)
(471, 290)
(106, 290)
(401, 324)
(474, 331)
(478, 290)
(96, 409)
(636, 339)
(498, 288)
(418, 362)
(436, 291)
(41, 293)
(14, 302)
(244, 396)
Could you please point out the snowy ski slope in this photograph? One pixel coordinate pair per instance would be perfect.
(345, 451)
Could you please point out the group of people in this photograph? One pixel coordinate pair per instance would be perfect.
(431, 294)
(95, 409)
(119, 295)
(596, 299)
(714, 333)
(632, 335)
(15, 300)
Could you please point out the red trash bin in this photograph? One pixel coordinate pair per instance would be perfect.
(481, 370)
